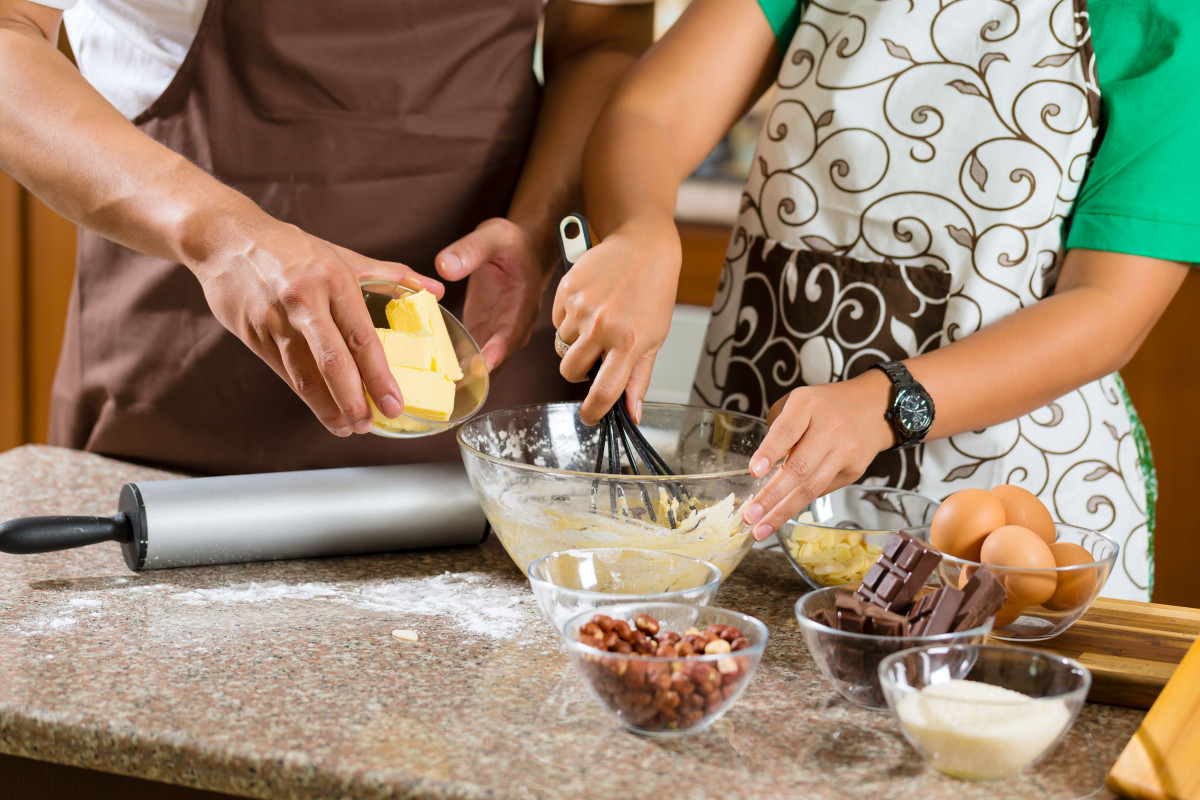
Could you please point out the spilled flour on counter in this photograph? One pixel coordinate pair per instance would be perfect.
(471, 600)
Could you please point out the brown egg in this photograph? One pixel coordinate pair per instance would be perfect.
(1019, 548)
(963, 520)
(1007, 613)
(1022, 507)
(1075, 587)
(964, 577)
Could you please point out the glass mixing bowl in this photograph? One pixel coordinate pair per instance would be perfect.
(533, 470)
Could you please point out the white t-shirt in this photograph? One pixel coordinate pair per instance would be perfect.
(131, 49)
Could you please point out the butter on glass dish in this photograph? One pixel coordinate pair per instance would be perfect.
(435, 361)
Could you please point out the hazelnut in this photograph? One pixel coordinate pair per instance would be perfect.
(646, 624)
(717, 646)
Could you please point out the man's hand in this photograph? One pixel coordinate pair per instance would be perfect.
(295, 301)
(505, 281)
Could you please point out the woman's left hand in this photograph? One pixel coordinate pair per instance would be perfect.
(828, 435)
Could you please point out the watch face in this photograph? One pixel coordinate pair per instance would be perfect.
(914, 411)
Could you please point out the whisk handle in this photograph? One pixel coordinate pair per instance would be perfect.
(573, 238)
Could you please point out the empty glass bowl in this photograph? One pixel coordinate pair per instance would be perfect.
(667, 696)
(983, 712)
(1075, 587)
(840, 535)
(570, 582)
(470, 391)
(850, 661)
(533, 469)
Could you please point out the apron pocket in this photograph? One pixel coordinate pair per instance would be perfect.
(811, 317)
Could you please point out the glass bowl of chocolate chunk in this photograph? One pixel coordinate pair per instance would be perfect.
(850, 629)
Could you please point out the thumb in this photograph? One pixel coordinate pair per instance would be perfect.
(480, 246)
(366, 269)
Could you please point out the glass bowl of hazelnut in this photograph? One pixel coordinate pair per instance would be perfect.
(665, 669)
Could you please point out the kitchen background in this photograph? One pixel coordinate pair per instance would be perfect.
(37, 251)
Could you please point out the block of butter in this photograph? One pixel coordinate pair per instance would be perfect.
(419, 313)
(421, 357)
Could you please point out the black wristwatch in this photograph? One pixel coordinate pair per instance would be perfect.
(911, 410)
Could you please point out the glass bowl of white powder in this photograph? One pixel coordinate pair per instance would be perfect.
(533, 469)
(570, 582)
(983, 712)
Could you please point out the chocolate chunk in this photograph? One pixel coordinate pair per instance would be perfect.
(857, 616)
(934, 614)
(893, 581)
(826, 617)
(982, 597)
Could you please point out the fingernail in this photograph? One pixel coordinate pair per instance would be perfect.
(391, 406)
(759, 466)
(637, 412)
(451, 264)
(762, 532)
(343, 431)
(363, 425)
(753, 513)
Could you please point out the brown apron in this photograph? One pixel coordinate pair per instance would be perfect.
(391, 127)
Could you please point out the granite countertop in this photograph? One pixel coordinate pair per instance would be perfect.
(283, 680)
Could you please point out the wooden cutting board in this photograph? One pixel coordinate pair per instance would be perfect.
(1161, 760)
(1131, 648)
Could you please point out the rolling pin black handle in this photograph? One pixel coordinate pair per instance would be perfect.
(46, 534)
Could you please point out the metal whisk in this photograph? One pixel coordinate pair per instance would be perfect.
(622, 448)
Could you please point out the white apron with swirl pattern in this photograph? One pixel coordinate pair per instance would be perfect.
(910, 186)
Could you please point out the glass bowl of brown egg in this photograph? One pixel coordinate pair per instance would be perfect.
(1052, 572)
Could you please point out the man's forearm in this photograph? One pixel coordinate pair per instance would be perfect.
(588, 49)
(71, 148)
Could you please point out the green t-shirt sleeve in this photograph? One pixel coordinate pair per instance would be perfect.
(1142, 193)
(784, 16)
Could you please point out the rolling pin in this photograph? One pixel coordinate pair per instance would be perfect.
(231, 519)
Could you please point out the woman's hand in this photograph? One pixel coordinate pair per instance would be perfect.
(828, 435)
(295, 301)
(615, 306)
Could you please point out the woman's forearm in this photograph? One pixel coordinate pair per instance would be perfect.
(588, 50)
(1102, 309)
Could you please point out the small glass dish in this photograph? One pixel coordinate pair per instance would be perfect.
(840, 535)
(957, 705)
(1075, 587)
(470, 391)
(667, 696)
(570, 582)
(849, 660)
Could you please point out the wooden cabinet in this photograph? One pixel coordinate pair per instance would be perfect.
(37, 264)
